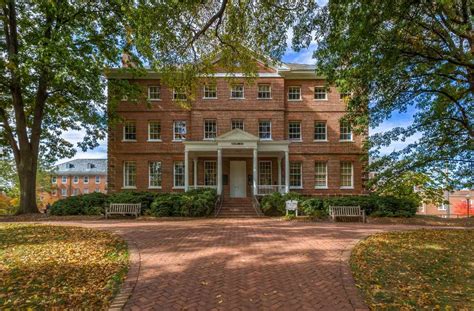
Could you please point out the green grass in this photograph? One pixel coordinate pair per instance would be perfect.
(45, 267)
(432, 269)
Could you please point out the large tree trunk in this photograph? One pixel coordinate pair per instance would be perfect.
(27, 175)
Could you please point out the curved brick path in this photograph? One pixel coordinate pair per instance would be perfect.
(242, 264)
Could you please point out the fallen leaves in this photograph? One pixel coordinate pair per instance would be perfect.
(44, 267)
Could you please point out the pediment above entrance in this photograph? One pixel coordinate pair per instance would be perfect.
(237, 135)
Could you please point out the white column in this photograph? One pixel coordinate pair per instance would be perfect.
(186, 170)
(255, 172)
(219, 171)
(279, 173)
(287, 172)
(195, 172)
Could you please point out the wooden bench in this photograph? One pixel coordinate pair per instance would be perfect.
(346, 211)
(123, 209)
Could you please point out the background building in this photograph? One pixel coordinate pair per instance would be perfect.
(457, 207)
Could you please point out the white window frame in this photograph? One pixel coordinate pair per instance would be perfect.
(206, 163)
(299, 92)
(54, 180)
(85, 179)
(63, 179)
(208, 135)
(232, 91)
(149, 131)
(159, 176)
(75, 180)
(206, 90)
(97, 179)
(317, 91)
(75, 192)
(301, 175)
(316, 172)
(300, 131)
(341, 174)
(174, 175)
(175, 139)
(126, 181)
(259, 127)
(269, 91)
(345, 124)
(443, 207)
(150, 92)
(177, 94)
(125, 126)
(269, 172)
(85, 191)
(63, 192)
(237, 120)
(325, 131)
(97, 190)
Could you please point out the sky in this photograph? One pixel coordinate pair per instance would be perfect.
(304, 57)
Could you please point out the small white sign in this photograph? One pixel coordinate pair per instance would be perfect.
(291, 205)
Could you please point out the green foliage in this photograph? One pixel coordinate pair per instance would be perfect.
(274, 204)
(143, 197)
(195, 203)
(86, 204)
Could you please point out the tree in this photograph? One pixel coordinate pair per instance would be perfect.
(52, 57)
(398, 55)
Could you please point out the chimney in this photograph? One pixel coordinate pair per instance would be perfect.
(127, 60)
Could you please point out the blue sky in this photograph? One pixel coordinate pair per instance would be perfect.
(304, 57)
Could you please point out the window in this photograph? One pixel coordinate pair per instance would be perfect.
(210, 173)
(154, 93)
(443, 207)
(64, 192)
(179, 130)
(154, 131)
(85, 191)
(265, 173)
(75, 192)
(54, 179)
(75, 179)
(294, 130)
(210, 91)
(296, 175)
(90, 166)
(129, 174)
(320, 175)
(69, 165)
(265, 130)
(320, 93)
(97, 179)
(64, 179)
(294, 93)
(345, 131)
(320, 131)
(237, 91)
(264, 91)
(97, 190)
(238, 124)
(179, 94)
(154, 175)
(346, 175)
(130, 131)
(210, 129)
(85, 179)
(54, 192)
(178, 173)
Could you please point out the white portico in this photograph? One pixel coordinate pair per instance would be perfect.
(236, 147)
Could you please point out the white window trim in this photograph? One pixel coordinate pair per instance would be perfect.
(443, 207)
(243, 93)
(301, 178)
(265, 98)
(296, 140)
(204, 171)
(243, 124)
(64, 193)
(174, 93)
(326, 130)
(204, 130)
(174, 176)
(97, 183)
(63, 180)
(153, 140)
(318, 99)
(54, 180)
(123, 177)
(74, 178)
(123, 134)
(204, 93)
(326, 186)
(84, 180)
(294, 100)
(156, 99)
(271, 136)
(149, 176)
(352, 177)
(345, 140)
(174, 133)
(271, 172)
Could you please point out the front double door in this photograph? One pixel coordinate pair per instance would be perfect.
(238, 184)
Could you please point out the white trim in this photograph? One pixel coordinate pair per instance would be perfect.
(204, 171)
(271, 171)
(346, 140)
(154, 99)
(288, 94)
(326, 175)
(84, 180)
(127, 187)
(154, 187)
(154, 140)
(243, 91)
(149, 175)
(301, 175)
(325, 93)
(352, 175)
(204, 92)
(149, 132)
(123, 175)
(325, 131)
(258, 91)
(301, 131)
(74, 179)
(174, 174)
(271, 136)
(123, 131)
(174, 133)
(204, 129)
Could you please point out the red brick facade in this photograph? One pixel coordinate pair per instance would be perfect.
(457, 207)
(278, 109)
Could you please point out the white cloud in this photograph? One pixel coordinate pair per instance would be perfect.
(100, 152)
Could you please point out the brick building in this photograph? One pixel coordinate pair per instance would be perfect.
(76, 177)
(457, 206)
(283, 132)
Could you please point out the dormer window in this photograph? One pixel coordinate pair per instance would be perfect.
(90, 166)
(70, 165)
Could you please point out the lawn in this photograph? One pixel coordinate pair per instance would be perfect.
(45, 267)
(431, 269)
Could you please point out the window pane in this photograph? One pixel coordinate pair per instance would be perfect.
(130, 131)
(179, 94)
(346, 174)
(294, 93)
(210, 173)
(179, 130)
(294, 130)
(155, 174)
(264, 91)
(237, 91)
(210, 91)
(345, 131)
(320, 130)
(154, 92)
(179, 174)
(210, 129)
(265, 130)
(238, 124)
(320, 177)
(265, 173)
(154, 130)
(320, 92)
(129, 174)
(295, 175)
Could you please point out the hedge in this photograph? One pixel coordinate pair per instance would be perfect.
(193, 203)
(379, 206)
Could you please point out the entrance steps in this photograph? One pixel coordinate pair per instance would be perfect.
(237, 207)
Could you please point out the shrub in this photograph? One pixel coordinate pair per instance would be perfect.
(143, 197)
(274, 204)
(85, 204)
(314, 207)
(194, 203)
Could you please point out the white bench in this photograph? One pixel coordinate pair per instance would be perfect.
(346, 211)
(123, 209)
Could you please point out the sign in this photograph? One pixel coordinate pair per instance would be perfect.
(291, 205)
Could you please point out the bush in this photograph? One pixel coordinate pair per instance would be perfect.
(85, 204)
(274, 204)
(194, 203)
(135, 197)
(314, 207)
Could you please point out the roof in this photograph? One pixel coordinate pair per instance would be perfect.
(82, 167)
(295, 66)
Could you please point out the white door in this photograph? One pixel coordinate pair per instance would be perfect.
(238, 186)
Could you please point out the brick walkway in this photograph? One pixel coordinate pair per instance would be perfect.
(242, 264)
